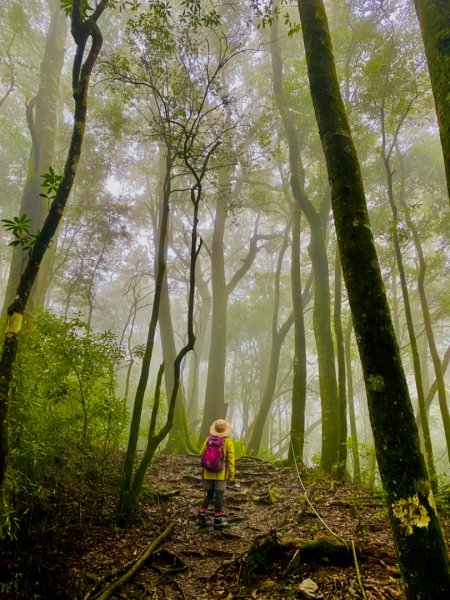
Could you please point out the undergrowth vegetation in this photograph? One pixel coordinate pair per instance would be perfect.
(67, 421)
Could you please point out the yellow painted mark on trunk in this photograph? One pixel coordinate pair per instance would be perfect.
(14, 323)
(411, 513)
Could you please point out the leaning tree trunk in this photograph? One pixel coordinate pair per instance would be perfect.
(82, 30)
(319, 260)
(41, 114)
(434, 19)
(415, 525)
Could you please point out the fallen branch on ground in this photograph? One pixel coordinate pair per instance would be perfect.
(138, 564)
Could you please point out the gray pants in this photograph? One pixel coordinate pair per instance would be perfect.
(214, 492)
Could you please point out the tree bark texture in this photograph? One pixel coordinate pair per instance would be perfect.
(434, 19)
(416, 529)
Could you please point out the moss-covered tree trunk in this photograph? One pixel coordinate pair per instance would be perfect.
(82, 29)
(298, 402)
(434, 19)
(42, 123)
(416, 529)
(340, 353)
(317, 249)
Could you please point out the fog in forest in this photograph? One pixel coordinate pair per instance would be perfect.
(199, 233)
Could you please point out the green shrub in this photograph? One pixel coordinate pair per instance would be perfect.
(66, 420)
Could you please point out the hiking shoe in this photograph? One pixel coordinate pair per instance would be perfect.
(202, 520)
(220, 523)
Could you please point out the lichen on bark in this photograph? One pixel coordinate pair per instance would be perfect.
(411, 513)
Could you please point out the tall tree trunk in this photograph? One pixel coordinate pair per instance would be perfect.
(425, 312)
(215, 382)
(196, 356)
(82, 30)
(278, 336)
(317, 251)
(408, 314)
(351, 403)
(340, 352)
(298, 401)
(127, 499)
(415, 525)
(179, 438)
(42, 122)
(434, 19)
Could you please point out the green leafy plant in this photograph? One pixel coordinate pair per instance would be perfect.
(51, 181)
(19, 227)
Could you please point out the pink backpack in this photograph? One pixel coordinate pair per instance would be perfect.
(213, 458)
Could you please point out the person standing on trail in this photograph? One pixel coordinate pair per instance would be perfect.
(218, 466)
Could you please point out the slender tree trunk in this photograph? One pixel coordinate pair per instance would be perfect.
(42, 122)
(351, 404)
(415, 525)
(278, 336)
(426, 314)
(81, 73)
(194, 365)
(317, 251)
(408, 316)
(434, 19)
(299, 376)
(127, 500)
(340, 352)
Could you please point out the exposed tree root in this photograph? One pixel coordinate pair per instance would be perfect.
(268, 548)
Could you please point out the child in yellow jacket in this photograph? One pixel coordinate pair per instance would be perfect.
(215, 482)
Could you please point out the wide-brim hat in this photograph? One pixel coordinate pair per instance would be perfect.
(221, 428)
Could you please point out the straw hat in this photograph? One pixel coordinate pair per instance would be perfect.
(220, 428)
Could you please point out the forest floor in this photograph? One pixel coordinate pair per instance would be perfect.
(266, 510)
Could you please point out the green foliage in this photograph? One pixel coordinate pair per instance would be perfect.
(67, 6)
(19, 227)
(267, 13)
(66, 418)
(51, 181)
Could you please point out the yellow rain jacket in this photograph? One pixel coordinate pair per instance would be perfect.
(228, 471)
